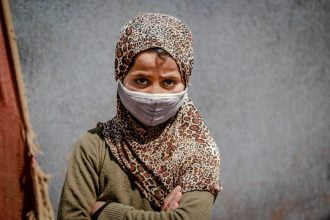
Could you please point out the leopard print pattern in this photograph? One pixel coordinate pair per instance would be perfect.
(150, 30)
(179, 151)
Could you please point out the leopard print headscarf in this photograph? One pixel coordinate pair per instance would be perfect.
(180, 151)
(150, 30)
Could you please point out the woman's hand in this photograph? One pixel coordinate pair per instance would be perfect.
(171, 202)
(97, 205)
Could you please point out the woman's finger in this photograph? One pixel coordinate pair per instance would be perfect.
(176, 195)
(172, 194)
(175, 201)
(97, 205)
(172, 199)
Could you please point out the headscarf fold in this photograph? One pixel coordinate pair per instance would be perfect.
(179, 151)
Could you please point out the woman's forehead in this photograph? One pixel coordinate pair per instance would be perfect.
(153, 60)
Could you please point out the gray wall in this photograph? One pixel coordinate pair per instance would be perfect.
(261, 80)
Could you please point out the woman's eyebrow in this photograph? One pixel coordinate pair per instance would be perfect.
(170, 75)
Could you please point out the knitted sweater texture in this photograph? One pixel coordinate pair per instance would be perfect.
(94, 175)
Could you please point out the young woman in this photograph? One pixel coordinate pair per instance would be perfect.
(156, 158)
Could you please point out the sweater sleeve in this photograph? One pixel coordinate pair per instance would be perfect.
(195, 205)
(80, 187)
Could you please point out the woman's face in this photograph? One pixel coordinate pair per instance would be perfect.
(153, 74)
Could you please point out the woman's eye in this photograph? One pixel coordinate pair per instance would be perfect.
(141, 81)
(169, 82)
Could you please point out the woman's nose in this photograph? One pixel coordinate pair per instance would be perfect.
(156, 88)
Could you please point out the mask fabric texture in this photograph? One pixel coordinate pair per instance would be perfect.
(151, 109)
(178, 148)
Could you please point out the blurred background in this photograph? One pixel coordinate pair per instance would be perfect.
(261, 80)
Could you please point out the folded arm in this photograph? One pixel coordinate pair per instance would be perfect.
(81, 189)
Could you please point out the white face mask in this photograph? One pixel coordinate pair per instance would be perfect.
(151, 109)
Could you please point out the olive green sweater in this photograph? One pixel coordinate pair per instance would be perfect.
(94, 175)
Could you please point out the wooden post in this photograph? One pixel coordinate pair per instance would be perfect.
(23, 185)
